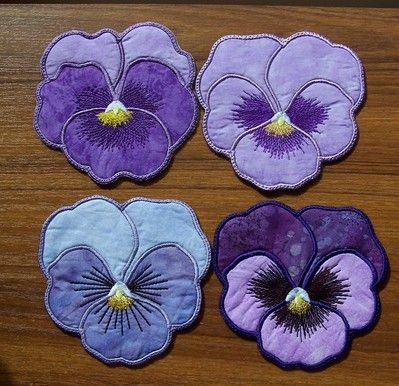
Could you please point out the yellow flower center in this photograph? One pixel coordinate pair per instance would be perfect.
(119, 300)
(279, 125)
(116, 114)
(298, 301)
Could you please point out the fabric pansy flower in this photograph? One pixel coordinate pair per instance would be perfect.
(116, 104)
(124, 277)
(278, 107)
(300, 283)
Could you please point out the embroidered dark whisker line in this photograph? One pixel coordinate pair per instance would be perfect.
(141, 314)
(153, 282)
(95, 297)
(127, 318)
(148, 292)
(152, 288)
(94, 293)
(94, 279)
(147, 279)
(144, 306)
(109, 321)
(135, 317)
(103, 315)
(105, 276)
(89, 284)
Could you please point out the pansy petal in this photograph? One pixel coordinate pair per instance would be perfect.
(324, 112)
(345, 282)
(128, 336)
(138, 149)
(345, 228)
(74, 89)
(168, 221)
(245, 56)
(270, 227)
(95, 222)
(234, 106)
(306, 57)
(76, 47)
(254, 285)
(154, 41)
(273, 162)
(168, 277)
(79, 278)
(308, 348)
(156, 88)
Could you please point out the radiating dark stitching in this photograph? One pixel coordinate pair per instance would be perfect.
(127, 318)
(141, 314)
(135, 317)
(144, 306)
(109, 321)
(104, 275)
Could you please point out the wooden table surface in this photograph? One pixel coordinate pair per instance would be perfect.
(35, 181)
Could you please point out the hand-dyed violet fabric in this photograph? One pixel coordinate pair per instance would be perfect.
(118, 281)
(142, 74)
(278, 107)
(301, 283)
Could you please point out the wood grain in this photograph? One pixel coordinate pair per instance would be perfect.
(35, 180)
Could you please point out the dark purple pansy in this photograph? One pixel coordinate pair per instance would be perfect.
(279, 107)
(301, 283)
(116, 104)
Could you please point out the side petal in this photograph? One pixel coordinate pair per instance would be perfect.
(156, 88)
(346, 282)
(139, 149)
(305, 57)
(234, 105)
(271, 227)
(78, 278)
(95, 222)
(168, 277)
(245, 56)
(272, 162)
(78, 48)
(169, 221)
(155, 41)
(324, 112)
(253, 286)
(310, 347)
(130, 336)
(74, 89)
(345, 228)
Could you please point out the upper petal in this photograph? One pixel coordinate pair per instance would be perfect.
(305, 57)
(315, 341)
(323, 111)
(234, 105)
(346, 228)
(168, 277)
(78, 278)
(239, 55)
(130, 336)
(155, 41)
(74, 89)
(273, 162)
(346, 282)
(253, 286)
(77, 47)
(139, 149)
(168, 221)
(270, 227)
(95, 222)
(154, 87)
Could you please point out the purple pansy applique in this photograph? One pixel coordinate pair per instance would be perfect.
(278, 107)
(124, 277)
(116, 104)
(301, 283)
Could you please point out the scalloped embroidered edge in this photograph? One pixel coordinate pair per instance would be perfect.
(188, 85)
(283, 42)
(351, 333)
(128, 270)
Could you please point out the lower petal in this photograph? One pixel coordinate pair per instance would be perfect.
(352, 280)
(138, 149)
(78, 279)
(129, 336)
(168, 277)
(324, 112)
(291, 348)
(272, 162)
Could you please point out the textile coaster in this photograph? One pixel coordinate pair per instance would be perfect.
(124, 277)
(278, 108)
(301, 283)
(116, 104)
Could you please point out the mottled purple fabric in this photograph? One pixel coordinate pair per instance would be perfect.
(306, 82)
(294, 289)
(110, 68)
